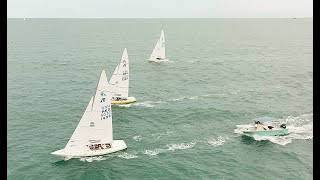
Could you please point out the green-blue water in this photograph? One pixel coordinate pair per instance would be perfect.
(222, 73)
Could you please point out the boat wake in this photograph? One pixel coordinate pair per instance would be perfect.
(170, 147)
(153, 152)
(218, 141)
(94, 158)
(124, 155)
(173, 147)
(300, 127)
(184, 98)
(188, 126)
(169, 61)
(137, 138)
(159, 135)
(150, 104)
(123, 105)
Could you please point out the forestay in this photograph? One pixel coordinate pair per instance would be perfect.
(113, 82)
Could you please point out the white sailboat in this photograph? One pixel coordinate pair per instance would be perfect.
(159, 51)
(119, 82)
(94, 135)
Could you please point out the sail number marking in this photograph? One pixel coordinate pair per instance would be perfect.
(105, 110)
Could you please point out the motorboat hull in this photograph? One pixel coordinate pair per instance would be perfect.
(129, 100)
(116, 145)
(277, 132)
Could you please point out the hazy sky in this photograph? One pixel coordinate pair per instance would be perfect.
(159, 8)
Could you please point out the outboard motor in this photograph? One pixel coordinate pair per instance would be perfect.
(283, 126)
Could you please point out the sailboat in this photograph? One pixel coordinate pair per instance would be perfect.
(159, 51)
(94, 135)
(119, 82)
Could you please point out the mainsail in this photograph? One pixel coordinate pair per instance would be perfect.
(95, 125)
(159, 50)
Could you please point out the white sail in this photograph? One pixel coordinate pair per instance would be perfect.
(113, 78)
(159, 50)
(95, 125)
(120, 82)
(113, 82)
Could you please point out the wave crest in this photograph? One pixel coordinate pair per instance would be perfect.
(153, 152)
(137, 138)
(173, 147)
(218, 141)
(126, 155)
(159, 135)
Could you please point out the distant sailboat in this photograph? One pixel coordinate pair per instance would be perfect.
(119, 82)
(159, 51)
(94, 134)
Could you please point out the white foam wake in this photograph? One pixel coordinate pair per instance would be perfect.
(94, 158)
(188, 126)
(159, 135)
(151, 104)
(183, 98)
(299, 127)
(154, 152)
(124, 105)
(137, 138)
(143, 104)
(170, 147)
(179, 146)
(124, 155)
(218, 141)
(148, 104)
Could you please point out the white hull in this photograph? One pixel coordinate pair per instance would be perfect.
(129, 100)
(116, 145)
(156, 60)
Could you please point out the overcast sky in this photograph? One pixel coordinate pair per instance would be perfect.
(159, 8)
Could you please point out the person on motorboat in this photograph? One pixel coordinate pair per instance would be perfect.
(119, 99)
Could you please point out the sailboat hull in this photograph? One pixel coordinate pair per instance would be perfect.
(129, 100)
(156, 60)
(117, 145)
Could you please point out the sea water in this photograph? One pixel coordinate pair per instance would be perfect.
(190, 112)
